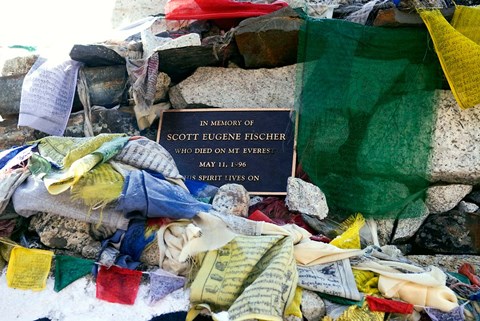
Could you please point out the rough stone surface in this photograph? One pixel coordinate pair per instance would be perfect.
(13, 136)
(236, 88)
(452, 232)
(305, 198)
(385, 230)
(232, 199)
(179, 63)
(163, 85)
(19, 63)
(442, 198)
(96, 55)
(107, 85)
(456, 143)
(270, 40)
(151, 254)
(394, 17)
(406, 228)
(312, 306)
(449, 263)
(467, 207)
(65, 233)
(11, 89)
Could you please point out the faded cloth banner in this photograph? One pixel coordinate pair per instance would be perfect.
(366, 102)
(252, 277)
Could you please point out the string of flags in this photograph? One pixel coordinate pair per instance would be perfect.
(28, 269)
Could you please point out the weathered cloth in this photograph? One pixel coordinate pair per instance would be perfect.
(252, 277)
(392, 306)
(458, 48)
(9, 182)
(335, 278)
(143, 75)
(135, 241)
(68, 269)
(14, 156)
(145, 195)
(182, 240)
(47, 95)
(410, 283)
(371, 136)
(28, 268)
(355, 313)
(143, 153)
(32, 197)
(438, 315)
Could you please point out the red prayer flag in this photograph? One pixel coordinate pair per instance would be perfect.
(384, 305)
(118, 285)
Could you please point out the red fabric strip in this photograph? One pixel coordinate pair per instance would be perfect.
(384, 305)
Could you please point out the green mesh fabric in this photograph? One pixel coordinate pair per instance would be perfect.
(366, 103)
(69, 269)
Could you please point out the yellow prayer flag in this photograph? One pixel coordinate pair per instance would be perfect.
(458, 51)
(350, 238)
(28, 268)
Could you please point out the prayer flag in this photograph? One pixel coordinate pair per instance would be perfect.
(163, 283)
(367, 111)
(69, 269)
(118, 285)
(384, 305)
(28, 268)
(458, 48)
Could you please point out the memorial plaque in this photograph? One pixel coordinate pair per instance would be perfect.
(251, 147)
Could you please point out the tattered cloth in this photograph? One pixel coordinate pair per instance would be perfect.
(372, 127)
(252, 277)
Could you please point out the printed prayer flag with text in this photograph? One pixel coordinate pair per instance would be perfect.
(28, 268)
(68, 269)
(163, 283)
(118, 285)
(458, 48)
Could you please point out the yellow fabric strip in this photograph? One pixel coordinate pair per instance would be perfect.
(459, 55)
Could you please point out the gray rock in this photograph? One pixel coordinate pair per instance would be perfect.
(11, 89)
(385, 230)
(107, 87)
(269, 40)
(407, 227)
(442, 198)
(151, 254)
(17, 65)
(312, 306)
(65, 233)
(467, 207)
(236, 88)
(474, 197)
(456, 145)
(305, 198)
(96, 55)
(452, 232)
(232, 199)
(446, 262)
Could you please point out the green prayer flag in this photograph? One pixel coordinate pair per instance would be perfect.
(68, 269)
(367, 110)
